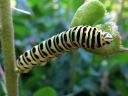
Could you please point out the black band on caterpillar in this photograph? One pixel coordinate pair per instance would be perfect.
(76, 37)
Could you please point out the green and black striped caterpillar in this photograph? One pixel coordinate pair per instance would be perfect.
(76, 37)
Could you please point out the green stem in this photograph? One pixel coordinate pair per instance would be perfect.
(72, 71)
(7, 41)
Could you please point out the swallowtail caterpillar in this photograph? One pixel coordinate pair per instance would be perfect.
(76, 37)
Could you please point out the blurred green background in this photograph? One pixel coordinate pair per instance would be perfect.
(76, 73)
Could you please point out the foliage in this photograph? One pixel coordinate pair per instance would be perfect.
(76, 73)
(47, 91)
(89, 13)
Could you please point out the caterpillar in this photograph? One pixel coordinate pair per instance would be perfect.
(76, 37)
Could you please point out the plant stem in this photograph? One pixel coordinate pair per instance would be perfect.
(72, 71)
(104, 82)
(8, 50)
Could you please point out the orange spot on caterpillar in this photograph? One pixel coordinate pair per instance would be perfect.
(34, 53)
(85, 32)
(42, 61)
(30, 62)
(66, 33)
(73, 46)
(67, 42)
(84, 44)
(74, 42)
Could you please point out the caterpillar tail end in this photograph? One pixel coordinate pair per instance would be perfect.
(17, 71)
(21, 71)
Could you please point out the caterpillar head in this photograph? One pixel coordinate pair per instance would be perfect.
(107, 37)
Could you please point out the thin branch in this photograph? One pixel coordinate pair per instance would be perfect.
(7, 41)
(22, 11)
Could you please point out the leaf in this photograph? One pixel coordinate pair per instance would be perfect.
(88, 13)
(47, 91)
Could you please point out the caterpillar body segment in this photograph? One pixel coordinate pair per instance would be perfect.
(80, 36)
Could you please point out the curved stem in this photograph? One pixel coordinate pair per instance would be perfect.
(7, 41)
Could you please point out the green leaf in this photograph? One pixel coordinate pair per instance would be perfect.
(88, 13)
(47, 91)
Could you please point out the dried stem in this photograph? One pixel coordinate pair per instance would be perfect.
(7, 40)
(104, 82)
